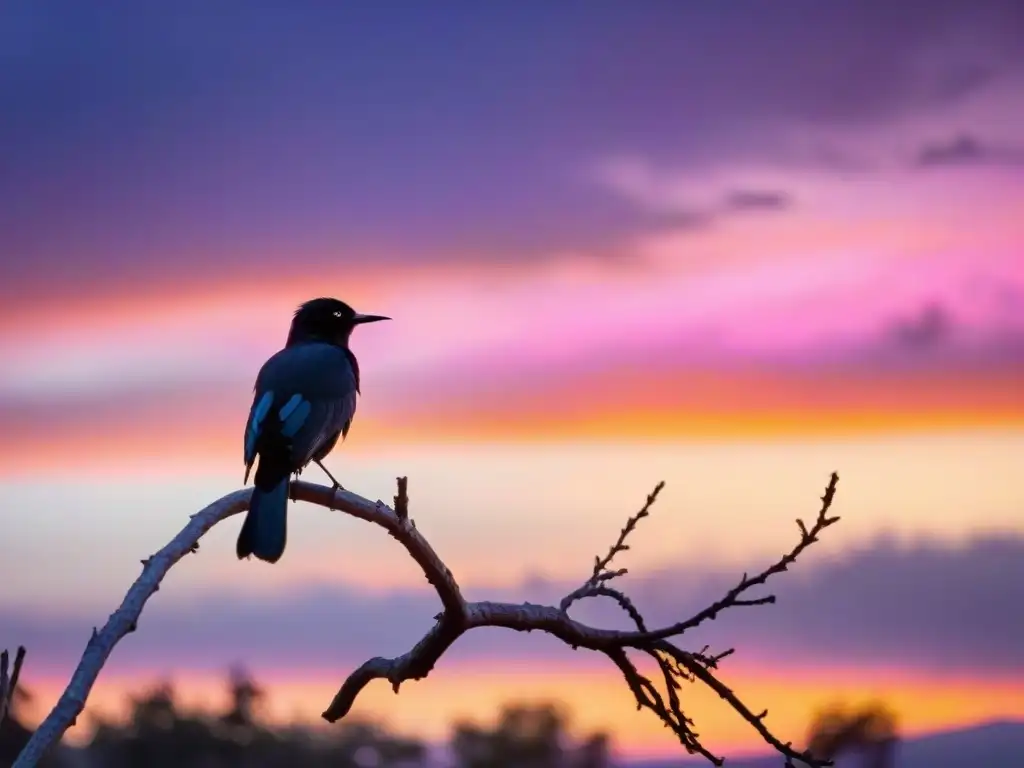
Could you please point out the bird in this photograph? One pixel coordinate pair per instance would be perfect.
(304, 400)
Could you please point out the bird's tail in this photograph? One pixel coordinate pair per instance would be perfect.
(266, 524)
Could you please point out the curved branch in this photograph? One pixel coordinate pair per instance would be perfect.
(457, 618)
(121, 622)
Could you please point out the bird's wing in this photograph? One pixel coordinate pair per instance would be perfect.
(304, 397)
(350, 410)
(261, 405)
(319, 432)
(324, 447)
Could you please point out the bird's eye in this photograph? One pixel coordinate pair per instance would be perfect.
(337, 314)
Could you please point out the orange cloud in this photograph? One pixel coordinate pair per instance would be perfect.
(740, 403)
(627, 403)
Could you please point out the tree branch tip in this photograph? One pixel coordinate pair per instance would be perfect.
(402, 498)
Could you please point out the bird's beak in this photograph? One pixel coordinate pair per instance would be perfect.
(360, 319)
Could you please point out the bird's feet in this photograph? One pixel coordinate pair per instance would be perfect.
(337, 486)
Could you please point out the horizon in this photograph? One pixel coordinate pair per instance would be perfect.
(206, 701)
(731, 248)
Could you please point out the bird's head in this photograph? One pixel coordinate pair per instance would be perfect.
(327, 320)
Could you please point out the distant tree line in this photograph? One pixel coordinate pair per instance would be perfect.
(158, 734)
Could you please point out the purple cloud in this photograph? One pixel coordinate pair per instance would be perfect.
(140, 146)
(926, 605)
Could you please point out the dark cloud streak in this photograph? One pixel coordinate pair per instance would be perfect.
(758, 200)
(932, 333)
(966, 150)
(929, 328)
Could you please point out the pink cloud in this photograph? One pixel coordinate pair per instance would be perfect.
(827, 277)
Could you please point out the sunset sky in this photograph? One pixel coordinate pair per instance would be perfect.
(731, 245)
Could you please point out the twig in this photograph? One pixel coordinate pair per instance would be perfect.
(402, 499)
(9, 679)
(457, 618)
(601, 574)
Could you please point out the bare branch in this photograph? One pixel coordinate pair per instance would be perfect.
(592, 587)
(732, 597)
(9, 679)
(458, 617)
(121, 622)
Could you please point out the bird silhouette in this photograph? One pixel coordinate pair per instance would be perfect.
(304, 401)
